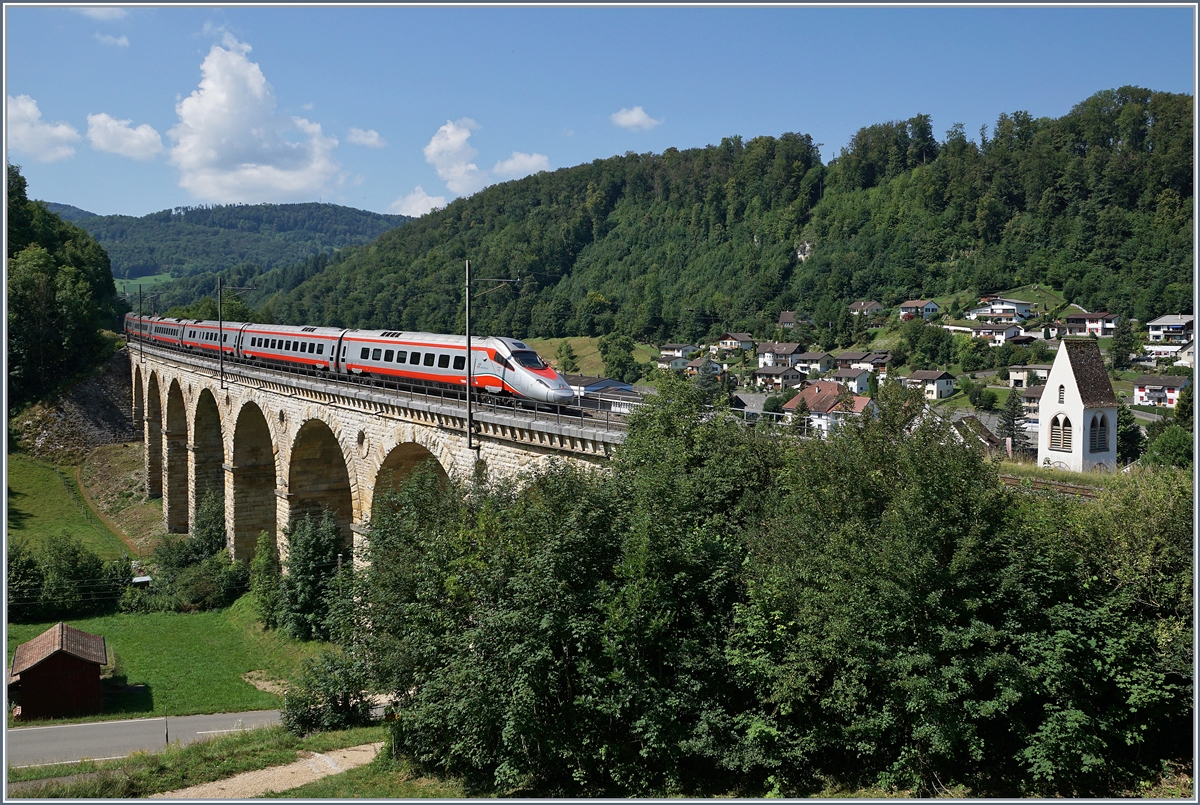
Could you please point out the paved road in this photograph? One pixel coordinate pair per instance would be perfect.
(35, 746)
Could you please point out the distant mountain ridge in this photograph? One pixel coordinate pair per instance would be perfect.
(191, 240)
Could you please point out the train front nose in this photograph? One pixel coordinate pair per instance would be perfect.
(560, 396)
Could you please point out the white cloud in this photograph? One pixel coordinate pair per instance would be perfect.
(29, 134)
(103, 13)
(417, 203)
(450, 153)
(519, 165)
(117, 41)
(369, 138)
(229, 145)
(635, 118)
(119, 137)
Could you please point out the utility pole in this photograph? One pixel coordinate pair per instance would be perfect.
(467, 302)
(221, 325)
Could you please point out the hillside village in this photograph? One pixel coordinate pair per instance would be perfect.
(966, 360)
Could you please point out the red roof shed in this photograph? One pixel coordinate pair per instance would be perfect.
(58, 673)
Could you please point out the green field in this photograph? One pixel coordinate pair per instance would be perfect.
(148, 284)
(179, 664)
(587, 353)
(44, 501)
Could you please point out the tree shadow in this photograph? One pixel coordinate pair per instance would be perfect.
(16, 517)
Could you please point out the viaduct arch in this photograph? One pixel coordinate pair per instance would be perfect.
(275, 445)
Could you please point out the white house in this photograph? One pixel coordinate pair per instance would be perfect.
(935, 384)
(1171, 329)
(669, 361)
(771, 354)
(1158, 389)
(679, 350)
(868, 307)
(999, 309)
(856, 380)
(736, 341)
(919, 307)
(993, 334)
(1101, 325)
(778, 377)
(1078, 411)
(1187, 354)
(814, 362)
(827, 403)
(1020, 376)
(1031, 397)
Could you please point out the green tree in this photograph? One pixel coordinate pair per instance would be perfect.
(616, 351)
(313, 547)
(1012, 421)
(24, 591)
(1184, 407)
(1131, 442)
(72, 577)
(265, 580)
(1172, 448)
(566, 359)
(1121, 350)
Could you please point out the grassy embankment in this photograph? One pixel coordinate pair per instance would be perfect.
(587, 353)
(148, 284)
(45, 500)
(142, 774)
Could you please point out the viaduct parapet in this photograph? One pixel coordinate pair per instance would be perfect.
(279, 444)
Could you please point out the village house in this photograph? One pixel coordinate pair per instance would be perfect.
(1021, 376)
(925, 308)
(865, 308)
(787, 320)
(702, 366)
(679, 350)
(1161, 390)
(814, 362)
(849, 358)
(1079, 410)
(1031, 400)
(935, 384)
(592, 384)
(778, 377)
(57, 673)
(827, 404)
(1171, 329)
(999, 309)
(772, 354)
(1187, 355)
(993, 334)
(856, 380)
(668, 361)
(1101, 325)
(874, 362)
(736, 341)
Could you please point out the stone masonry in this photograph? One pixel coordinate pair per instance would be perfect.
(283, 444)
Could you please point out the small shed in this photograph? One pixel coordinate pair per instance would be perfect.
(58, 673)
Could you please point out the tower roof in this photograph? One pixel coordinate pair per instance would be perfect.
(1091, 378)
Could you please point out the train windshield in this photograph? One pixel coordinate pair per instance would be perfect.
(528, 358)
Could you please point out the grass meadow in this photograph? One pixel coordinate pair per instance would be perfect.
(43, 500)
(169, 663)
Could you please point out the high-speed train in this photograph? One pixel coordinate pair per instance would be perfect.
(499, 365)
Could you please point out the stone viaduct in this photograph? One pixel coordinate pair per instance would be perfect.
(279, 444)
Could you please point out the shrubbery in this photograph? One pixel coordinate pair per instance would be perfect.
(63, 579)
(722, 613)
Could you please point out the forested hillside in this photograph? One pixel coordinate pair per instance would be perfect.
(192, 240)
(60, 294)
(1096, 204)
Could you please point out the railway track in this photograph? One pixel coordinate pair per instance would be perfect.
(1074, 490)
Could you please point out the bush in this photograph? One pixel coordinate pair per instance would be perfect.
(265, 580)
(331, 695)
(24, 583)
(313, 547)
(73, 581)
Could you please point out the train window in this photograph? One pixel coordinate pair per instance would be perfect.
(401, 356)
(500, 360)
(528, 358)
(366, 351)
(429, 356)
(343, 350)
(376, 354)
(312, 347)
(443, 361)
(224, 337)
(320, 349)
(460, 362)
(388, 355)
(414, 358)
(272, 343)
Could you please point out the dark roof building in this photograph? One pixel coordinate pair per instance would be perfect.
(57, 673)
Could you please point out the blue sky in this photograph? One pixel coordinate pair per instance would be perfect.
(398, 109)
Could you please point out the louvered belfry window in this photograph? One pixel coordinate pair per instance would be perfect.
(1060, 434)
(1098, 434)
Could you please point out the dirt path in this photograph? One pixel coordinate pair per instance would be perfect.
(279, 778)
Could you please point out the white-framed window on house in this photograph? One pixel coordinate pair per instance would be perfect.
(1061, 433)
(1062, 395)
(1098, 434)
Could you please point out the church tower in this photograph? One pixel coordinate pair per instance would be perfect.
(1078, 411)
